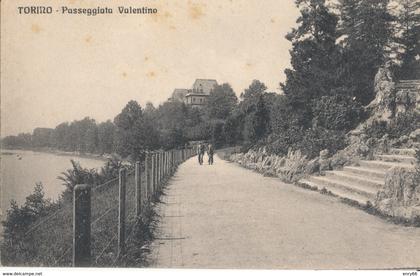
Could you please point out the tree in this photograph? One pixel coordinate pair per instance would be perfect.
(135, 133)
(217, 135)
(171, 121)
(106, 137)
(233, 127)
(221, 101)
(60, 136)
(22, 140)
(315, 55)
(42, 137)
(408, 39)
(36, 202)
(255, 112)
(366, 36)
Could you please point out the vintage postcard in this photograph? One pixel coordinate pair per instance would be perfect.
(224, 134)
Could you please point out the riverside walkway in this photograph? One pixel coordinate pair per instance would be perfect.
(224, 216)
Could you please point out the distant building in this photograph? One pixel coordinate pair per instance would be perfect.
(179, 95)
(197, 96)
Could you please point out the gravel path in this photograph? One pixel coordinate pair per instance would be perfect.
(224, 216)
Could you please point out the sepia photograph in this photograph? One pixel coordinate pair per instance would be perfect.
(238, 135)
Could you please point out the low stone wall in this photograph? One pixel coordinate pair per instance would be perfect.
(289, 168)
(400, 196)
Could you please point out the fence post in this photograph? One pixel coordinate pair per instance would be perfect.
(152, 175)
(121, 213)
(147, 177)
(154, 172)
(81, 225)
(158, 170)
(137, 181)
(162, 167)
(166, 163)
(172, 162)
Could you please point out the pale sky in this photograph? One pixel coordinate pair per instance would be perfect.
(57, 68)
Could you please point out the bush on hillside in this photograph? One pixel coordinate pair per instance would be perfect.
(77, 175)
(315, 140)
(310, 141)
(403, 124)
(377, 129)
(336, 112)
(15, 248)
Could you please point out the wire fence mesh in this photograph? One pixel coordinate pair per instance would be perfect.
(104, 225)
(57, 227)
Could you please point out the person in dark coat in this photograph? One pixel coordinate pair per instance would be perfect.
(200, 153)
(210, 153)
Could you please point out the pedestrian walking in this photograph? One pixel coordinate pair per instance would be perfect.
(200, 153)
(210, 153)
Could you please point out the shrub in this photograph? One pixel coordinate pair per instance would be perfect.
(337, 112)
(315, 140)
(282, 141)
(294, 167)
(77, 175)
(15, 248)
(310, 141)
(403, 124)
(377, 129)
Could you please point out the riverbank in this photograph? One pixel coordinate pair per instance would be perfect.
(21, 169)
(97, 156)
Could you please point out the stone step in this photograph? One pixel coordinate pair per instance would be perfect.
(382, 165)
(351, 187)
(408, 152)
(367, 172)
(359, 199)
(371, 181)
(395, 158)
(410, 81)
(407, 84)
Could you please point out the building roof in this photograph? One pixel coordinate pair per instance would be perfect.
(204, 86)
(179, 94)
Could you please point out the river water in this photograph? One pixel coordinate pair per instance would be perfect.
(20, 170)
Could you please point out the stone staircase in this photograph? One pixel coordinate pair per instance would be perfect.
(360, 184)
(410, 85)
(410, 88)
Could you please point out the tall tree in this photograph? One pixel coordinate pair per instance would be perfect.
(255, 111)
(135, 135)
(106, 137)
(408, 39)
(171, 120)
(366, 35)
(314, 54)
(221, 101)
